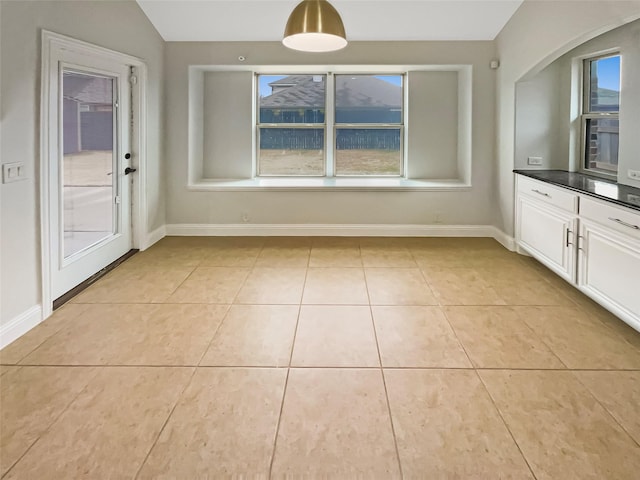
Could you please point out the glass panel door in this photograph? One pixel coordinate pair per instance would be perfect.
(88, 170)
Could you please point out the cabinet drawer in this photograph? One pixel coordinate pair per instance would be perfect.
(559, 197)
(621, 219)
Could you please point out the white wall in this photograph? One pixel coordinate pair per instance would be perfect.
(118, 25)
(548, 106)
(626, 40)
(433, 125)
(461, 207)
(539, 120)
(227, 124)
(538, 33)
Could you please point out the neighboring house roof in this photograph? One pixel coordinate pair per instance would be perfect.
(88, 90)
(355, 91)
(608, 97)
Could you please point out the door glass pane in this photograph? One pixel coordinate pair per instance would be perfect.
(88, 174)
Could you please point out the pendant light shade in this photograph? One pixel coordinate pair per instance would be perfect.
(315, 26)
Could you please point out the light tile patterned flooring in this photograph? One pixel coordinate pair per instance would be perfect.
(324, 357)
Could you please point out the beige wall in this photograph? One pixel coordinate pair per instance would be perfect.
(118, 25)
(537, 34)
(548, 106)
(467, 207)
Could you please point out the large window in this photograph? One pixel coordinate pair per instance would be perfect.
(356, 130)
(600, 121)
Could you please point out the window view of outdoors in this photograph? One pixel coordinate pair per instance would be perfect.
(294, 107)
(601, 115)
(87, 167)
(364, 103)
(292, 125)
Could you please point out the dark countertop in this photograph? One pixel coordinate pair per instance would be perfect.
(595, 186)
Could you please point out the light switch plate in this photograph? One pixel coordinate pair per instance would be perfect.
(534, 161)
(12, 172)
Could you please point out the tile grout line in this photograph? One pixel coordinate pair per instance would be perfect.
(384, 381)
(535, 334)
(604, 407)
(526, 461)
(55, 420)
(188, 382)
(311, 367)
(455, 334)
(229, 306)
(428, 283)
(175, 405)
(50, 336)
(286, 380)
(475, 370)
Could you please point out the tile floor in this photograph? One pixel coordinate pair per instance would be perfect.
(324, 357)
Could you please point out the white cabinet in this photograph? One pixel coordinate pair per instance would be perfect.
(609, 265)
(591, 243)
(546, 222)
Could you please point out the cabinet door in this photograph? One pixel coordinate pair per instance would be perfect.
(609, 271)
(547, 233)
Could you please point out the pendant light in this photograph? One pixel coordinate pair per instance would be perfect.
(315, 26)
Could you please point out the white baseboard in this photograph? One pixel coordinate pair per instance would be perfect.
(154, 237)
(332, 230)
(20, 325)
(507, 242)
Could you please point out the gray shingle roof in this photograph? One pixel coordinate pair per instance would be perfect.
(87, 89)
(355, 91)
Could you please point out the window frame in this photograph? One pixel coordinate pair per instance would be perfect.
(371, 126)
(587, 115)
(302, 126)
(330, 125)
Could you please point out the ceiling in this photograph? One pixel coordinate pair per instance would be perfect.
(365, 20)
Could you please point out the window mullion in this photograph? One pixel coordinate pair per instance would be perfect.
(330, 133)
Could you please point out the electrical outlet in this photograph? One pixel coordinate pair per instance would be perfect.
(635, 199)
(534, 161)
(12, 172)
(634, 174)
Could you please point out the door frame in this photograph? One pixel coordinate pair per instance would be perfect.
(54, 42)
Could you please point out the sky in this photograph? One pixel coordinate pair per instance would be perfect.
(265, 80)
(609, 73)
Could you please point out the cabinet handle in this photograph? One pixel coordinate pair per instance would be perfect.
(540, 193)
(617, 220)
(568, 242)
(579, 238)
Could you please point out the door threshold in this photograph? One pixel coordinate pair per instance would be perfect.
(64, 298)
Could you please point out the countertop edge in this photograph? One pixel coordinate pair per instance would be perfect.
(535, 174)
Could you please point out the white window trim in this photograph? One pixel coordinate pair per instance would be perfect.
(585, 115)
(195, 181)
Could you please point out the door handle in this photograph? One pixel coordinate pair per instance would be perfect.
(129, 170)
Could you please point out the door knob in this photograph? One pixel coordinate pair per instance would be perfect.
(129, 170)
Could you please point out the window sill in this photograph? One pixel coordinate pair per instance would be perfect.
(328, 184)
